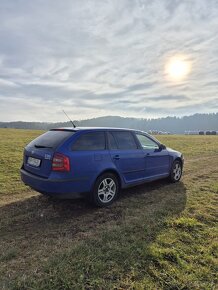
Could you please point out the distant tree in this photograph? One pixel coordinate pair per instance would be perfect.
(197, 122)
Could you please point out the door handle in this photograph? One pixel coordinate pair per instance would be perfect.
(147, 154)
(116, 157)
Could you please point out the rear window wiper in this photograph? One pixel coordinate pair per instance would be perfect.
(42, 146)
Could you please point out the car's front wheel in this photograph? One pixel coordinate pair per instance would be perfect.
(105, 190)
(176, 171)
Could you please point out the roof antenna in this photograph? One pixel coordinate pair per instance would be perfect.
(74, 126)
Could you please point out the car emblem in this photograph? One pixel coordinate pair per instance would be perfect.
(47, 156)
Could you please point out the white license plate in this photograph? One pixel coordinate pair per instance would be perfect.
(33, 161)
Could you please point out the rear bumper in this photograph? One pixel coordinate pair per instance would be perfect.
(60, 188)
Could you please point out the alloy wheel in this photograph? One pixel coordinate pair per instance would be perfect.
(106, 190)
(177, 171)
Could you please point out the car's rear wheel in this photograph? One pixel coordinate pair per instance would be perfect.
(176, 171)
(105, 190)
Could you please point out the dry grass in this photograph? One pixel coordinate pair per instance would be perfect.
(156, 236)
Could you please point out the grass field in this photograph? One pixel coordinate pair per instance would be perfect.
(156, 236)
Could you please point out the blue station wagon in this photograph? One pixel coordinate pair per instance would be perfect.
(96, 162)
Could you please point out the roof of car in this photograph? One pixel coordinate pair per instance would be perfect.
(93, 128)
(102, 128)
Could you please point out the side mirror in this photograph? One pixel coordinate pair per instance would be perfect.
(162, 147)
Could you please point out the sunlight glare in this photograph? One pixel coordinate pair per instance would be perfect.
(178, 68)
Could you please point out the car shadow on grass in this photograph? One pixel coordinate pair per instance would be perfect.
(35, 228)
(34, 214)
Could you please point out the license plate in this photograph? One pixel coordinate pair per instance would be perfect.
(33, 161)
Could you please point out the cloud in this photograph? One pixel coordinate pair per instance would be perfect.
(168, 98)
(97, 58)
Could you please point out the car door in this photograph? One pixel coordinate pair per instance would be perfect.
(126, 155)
(157, 161)
(88, 155)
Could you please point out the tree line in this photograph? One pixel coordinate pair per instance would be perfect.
(199, 122)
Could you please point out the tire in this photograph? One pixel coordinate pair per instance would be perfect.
(176, 171)
(105, 190)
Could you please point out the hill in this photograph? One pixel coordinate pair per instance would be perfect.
(170, 124)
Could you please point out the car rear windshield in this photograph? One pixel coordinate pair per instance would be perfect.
(51, 139)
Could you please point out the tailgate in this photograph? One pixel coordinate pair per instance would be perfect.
(38, 154)
(38, 161)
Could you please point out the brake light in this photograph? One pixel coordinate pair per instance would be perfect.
(60, 162)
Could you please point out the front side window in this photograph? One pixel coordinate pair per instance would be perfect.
(146, 142)
(124, 140)
(90, 141)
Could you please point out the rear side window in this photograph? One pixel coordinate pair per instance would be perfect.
(111, 141)
(124, 140)
(90, 141)
(51, 139)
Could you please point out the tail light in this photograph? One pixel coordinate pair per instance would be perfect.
(60, 162)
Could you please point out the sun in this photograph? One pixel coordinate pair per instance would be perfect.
(178, 68)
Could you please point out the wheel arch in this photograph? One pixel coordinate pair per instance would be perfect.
(113, 171)
(178, 159)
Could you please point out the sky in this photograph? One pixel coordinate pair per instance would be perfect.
(91, 58)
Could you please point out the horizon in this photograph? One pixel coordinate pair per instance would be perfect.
(137, 59)
(109, 116)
